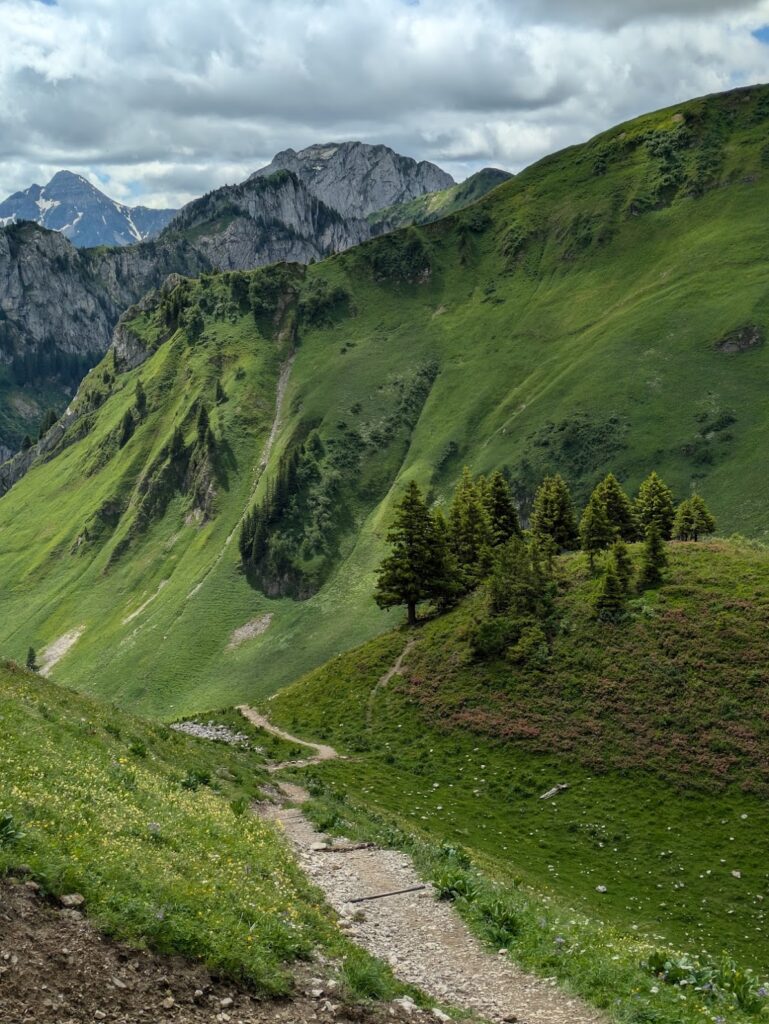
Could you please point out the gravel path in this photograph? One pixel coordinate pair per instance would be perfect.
(425, 941)
(322, 752)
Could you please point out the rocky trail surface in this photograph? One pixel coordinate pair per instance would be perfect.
(425, 941)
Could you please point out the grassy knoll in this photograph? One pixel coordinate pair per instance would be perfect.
(153, 828)
(657, 726)
(604, 310)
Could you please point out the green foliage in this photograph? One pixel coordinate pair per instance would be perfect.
(610, 597)
(471, 530)
(553, 513)
(693, 519)
(26, 443)
(622, 564)
(320, 301)
(31, 660)
(127, 428)
(618, 508)
(596, 532)
(654, 559)
(503, 515)
(10, 833)
(140, 399)
(402, 257)
(654, 507)
(415, 570)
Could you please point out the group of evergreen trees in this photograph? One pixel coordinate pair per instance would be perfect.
(439, 559)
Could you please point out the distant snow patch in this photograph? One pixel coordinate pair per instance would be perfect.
(54, 652)
(251, 629)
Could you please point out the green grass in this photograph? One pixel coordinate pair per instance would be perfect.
(656, 727)
(152, 827)
(569, 321)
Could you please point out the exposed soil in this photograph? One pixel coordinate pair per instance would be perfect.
(250, 630)
(54, 652)
(55, 966)
(322, 751)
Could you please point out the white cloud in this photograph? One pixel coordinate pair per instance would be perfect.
(167, 100)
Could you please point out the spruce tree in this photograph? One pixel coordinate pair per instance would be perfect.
(26, 444)
(618, 507)
(654, 558)
(47, 422)
(141, 399)
(553, 513)
(654, 505)
(127, 426)
(518, 584)
(622, 564)
(596, 533)
(31, 660)
(609, 600)
(693, 519)
(470, 530)
(501, 509)
(415, 569)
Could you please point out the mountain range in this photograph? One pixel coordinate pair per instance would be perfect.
(82, 213)
(59, 304)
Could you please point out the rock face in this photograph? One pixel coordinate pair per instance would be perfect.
(87, 217)
(357, 179)
(264, 220)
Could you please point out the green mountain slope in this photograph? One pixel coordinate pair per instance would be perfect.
(152, 828)
(435, 205)
(605, 309)
(658, 842)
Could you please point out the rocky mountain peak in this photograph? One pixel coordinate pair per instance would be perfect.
(71, 205)
(356, 178)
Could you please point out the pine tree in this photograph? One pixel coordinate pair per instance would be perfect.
(202, 425)
(693, 518)
(47, 422)
(518, 584)
(553, 513)
(26, 444)
(415, 570)
(141, 399)
(618, 507)
(596, 533)
(127, 426)
(501, 509)
(622, 564)
(654, 504)
(654, 558)
(609, 600)
(470, 530)
(31, 660)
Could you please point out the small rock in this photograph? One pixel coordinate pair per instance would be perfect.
(736, 874)
(100, 1015)
(317, 847)
(601, 888)
(226, 1003)
(198, 995)
(118, 983)
(168, 1003)
(72, 901)
(316, 993)
(440, 1015)
(32, 886)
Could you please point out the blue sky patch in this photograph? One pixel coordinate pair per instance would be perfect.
(762, 34)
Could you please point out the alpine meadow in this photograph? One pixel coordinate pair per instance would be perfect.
(444, 552)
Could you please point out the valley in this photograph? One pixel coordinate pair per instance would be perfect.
(207, 560)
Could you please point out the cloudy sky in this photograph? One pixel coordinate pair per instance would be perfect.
(161, 100)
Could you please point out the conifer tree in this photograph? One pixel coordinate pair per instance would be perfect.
(654, 504)
(618, 507)
(141, 399)
(26, 444)
(610, 597)
(518, 584)
(31, 660)
(415, 569)
(501, 509)
(470, 530)
(202, 426)
(48, 421)
(654, 559)
(623, 564)
(596, 533)
(693, 519)
(553, 513)
(127, 426)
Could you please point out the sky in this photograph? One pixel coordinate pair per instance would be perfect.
(159, 101)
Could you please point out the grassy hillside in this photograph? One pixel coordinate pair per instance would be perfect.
(435, 205)
(657, 726)
(606, 309)
(152, 828)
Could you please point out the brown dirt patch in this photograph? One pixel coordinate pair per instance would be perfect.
(55, 966)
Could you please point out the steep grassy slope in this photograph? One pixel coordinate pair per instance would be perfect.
(152, 828)
(435, 205)
(657, 726)
(606, 309)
